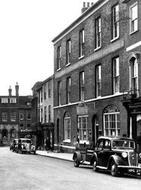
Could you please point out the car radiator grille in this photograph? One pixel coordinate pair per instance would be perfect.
(133, 159)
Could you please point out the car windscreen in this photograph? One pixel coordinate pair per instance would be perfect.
(123, 144)
(26, 141)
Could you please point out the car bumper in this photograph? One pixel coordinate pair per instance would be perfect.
(130, 168)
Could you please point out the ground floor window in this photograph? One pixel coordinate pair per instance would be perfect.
(83, 128)
(111, 120)
(67, 127)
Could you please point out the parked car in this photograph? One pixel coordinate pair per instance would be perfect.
(25, 146)
(117, 155)
(14, 145)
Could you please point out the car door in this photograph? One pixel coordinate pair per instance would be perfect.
(99, 151)
(106, 152)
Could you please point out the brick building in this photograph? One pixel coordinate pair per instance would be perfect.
(15, 116)
(43, 91)
(97, 74)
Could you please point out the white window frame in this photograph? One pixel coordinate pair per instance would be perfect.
(133, 20)
(98, 80)
(115, 22)
(4, 100)
(81, 85)
(13, 116)
(83, 130)
(134, 76)
(81, 43)
(68, 90)
(111, 131)
(98, 35)
(59, 49)
(68, 52)
(116, 75)
(67, 128)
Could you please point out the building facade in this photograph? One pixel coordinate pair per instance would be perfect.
(44, 94)
(15, 116)
(97, 74)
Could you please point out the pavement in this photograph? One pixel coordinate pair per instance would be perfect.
(57, 155)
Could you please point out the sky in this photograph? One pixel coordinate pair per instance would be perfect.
(27, 28)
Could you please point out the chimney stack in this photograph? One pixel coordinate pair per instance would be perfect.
(17, 89)
(86, 6)
(10, 91)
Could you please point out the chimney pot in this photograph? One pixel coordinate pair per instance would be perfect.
(10, 91)
(17, 89)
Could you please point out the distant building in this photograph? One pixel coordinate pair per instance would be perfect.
(15, 116)
(97, 78)
(43, 91)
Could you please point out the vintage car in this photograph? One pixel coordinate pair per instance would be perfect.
(26, 146)
(117, 155)
(23, 145)
(14, 145)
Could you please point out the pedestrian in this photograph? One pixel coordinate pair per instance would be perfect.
(47, 144)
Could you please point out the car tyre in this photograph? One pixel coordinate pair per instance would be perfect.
(114, 169)
(76, 162)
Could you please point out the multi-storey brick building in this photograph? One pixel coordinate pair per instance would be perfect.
(97, 74)
(15, 116)
(44, 94)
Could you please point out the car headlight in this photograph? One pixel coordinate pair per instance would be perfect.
(124, 154)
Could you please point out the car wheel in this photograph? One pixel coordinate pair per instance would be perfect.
(76, 162)
(94, 166)
(114, 169)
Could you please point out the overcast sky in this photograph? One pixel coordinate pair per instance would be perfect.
(27, 28)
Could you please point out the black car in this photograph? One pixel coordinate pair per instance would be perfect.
(114, 154)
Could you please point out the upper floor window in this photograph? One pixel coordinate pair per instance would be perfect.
(59, 92)
(49, 113)
(28, 115)
(98, 32)
(45, 94)
(81, 85)
(13, 100)
(4, 116)
(133, 75)
(68, 89)
(116, 76)
(133, 18)
(58, 57)
(45, 114)
(98, 80)
(68, 52)
(4, 100)
(21, 116)
(13, 116)
(49, 89)
(115, 21)
(81, 43)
